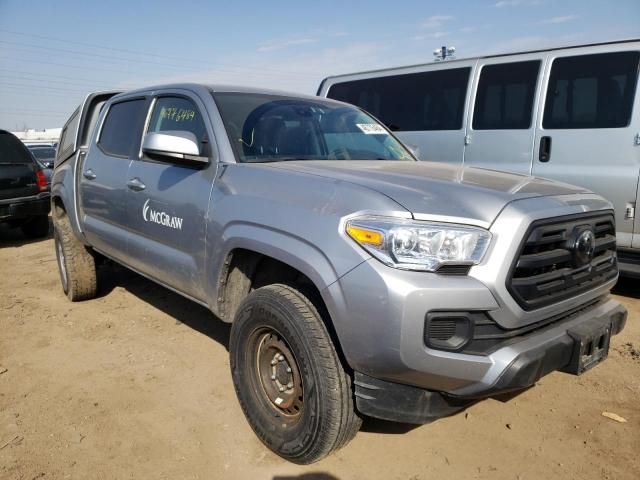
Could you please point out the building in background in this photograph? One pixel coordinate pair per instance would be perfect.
(47, 136)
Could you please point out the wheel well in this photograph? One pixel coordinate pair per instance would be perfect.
(246, 270)
(58, 209)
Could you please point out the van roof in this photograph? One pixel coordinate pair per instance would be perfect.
(493, 55)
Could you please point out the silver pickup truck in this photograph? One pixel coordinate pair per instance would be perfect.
(358, 280)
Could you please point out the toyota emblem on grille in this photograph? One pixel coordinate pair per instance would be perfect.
(584, 247)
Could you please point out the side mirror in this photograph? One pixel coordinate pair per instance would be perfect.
(179, 145)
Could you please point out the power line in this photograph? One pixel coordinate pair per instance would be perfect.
(195, 63)
(45, 87)
(110, 58)
(47, 80)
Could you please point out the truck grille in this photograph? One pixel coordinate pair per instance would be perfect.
(555, 261)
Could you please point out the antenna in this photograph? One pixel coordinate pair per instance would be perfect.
(444, 53)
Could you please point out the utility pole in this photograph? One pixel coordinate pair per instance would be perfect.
(444, 53)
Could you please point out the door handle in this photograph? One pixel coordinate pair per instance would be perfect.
(89, 175)
(544, 155)
(136, 185)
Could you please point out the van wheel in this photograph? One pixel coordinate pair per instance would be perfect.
(288, 378)
(36, 227)
(76, 264)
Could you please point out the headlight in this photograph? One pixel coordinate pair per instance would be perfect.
(413, 245)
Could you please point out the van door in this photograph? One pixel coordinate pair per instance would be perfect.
(104, 174)
(587, 133)
(424, 106)
(501, 122)
(167, 200)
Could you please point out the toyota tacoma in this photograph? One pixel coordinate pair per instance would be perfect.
(358, 281)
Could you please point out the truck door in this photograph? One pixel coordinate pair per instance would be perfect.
(501, 123)
(167, 199)
(103, 177)
(588, 131)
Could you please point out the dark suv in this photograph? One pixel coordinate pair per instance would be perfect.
(24, 189)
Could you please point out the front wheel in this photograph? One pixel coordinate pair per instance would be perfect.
(288, 378)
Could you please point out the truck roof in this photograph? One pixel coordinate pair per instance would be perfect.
(219, 88)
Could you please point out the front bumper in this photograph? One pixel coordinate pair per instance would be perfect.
(531, 358)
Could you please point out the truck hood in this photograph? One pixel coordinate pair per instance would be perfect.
(436, 189)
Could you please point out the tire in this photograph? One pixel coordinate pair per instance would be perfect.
(306, 411)
(75, 263)
(36, 227)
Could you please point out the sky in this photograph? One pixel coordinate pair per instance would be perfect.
(53, 52)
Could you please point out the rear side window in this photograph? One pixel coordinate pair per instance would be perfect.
(68, 135)
(177, 114)
(591, 91)
(504, 100)
(12, 150)
(122, 127)
(412, 102)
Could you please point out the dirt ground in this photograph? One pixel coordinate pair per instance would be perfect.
(136, 385)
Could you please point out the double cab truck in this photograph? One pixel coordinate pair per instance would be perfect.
(358, 280)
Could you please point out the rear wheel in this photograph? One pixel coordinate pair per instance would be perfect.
(75, 263)
(36, 227)
(289, 380)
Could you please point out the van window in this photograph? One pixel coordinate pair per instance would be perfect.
(504, 100)
(410, 102)
(177, 114)
(122, 127)
(591, 91)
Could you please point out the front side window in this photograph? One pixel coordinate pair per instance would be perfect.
(122, 127)
(591, 91)
(504, 100)
(177, 114)
(424, 101)
(264, 128)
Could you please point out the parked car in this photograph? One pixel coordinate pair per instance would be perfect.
(45, 154)
(358, 280)
(569, 114)
(24, 191)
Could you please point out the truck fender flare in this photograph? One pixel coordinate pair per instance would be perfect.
(294, 251)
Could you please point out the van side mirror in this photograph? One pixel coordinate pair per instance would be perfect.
(180, 145)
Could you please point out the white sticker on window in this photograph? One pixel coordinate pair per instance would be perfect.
(371, 129)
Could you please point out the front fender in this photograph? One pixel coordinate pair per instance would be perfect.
(295, 251)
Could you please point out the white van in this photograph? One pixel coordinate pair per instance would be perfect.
(570, 114)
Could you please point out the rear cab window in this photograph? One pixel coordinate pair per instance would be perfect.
(591, 91)
(424, 101)
(122, 128)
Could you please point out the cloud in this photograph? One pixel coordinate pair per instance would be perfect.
(430, 35)
(296, 71)
(280, 44)
(517, 3)
(557, 20)
(436, 21)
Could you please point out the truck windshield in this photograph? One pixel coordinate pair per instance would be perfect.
(272, 128)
